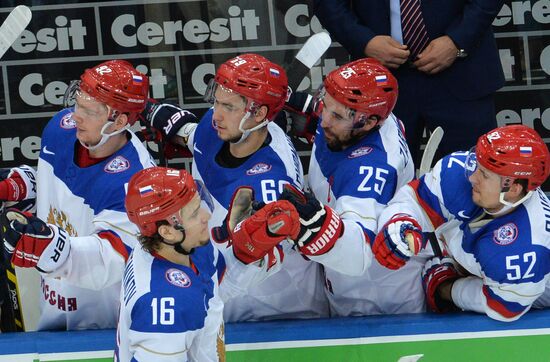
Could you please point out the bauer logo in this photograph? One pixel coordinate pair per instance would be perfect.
(117, 164)
(178, 278)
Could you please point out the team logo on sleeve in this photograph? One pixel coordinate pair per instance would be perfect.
(178, 278)
(362, 151)
(258, 169)
(117, 164)
(506, 234)
(67, 121)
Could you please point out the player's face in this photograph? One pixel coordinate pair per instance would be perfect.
(486, 187)
(338, 128)
(90, 116)
(229, 109)
(195, 222)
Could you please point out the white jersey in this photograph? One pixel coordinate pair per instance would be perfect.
(296, 290)
(89, 204)
(171, 312)
(358, 182)
(507, 258)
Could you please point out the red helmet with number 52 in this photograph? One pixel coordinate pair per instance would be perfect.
(517, 152)
(119, 85)
(365, 86)
(156, 194)
(256, 78)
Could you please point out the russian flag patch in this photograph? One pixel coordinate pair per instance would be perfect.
(525, 151)
(144, 191)
(381, 79)
(274, 72)
(137, 78)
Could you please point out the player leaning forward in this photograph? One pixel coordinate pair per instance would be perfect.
(175, 285)
(494, 224)
(88, 155)
(237, 144)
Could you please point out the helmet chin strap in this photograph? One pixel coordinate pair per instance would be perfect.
(247, 132)
(508, 205)
(104, 136)
(178, 246)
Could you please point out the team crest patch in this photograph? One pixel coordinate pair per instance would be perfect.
(67, 121)
(178, 278)
(362, 151)
(117, 164)
(506, 234)
(258, 168)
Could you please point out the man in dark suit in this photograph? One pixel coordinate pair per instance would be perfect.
(451, 81)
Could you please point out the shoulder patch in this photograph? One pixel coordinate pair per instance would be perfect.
(117, 164)
(361, 151)
(258, 169)
(506, 234)
(67, 121)
(178, 278)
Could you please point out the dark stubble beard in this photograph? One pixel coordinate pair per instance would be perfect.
(337, 145)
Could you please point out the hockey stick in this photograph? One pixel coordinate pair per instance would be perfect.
(429, 151)
(300, 103)
(13, 26)
(11, 318)
(312, 50)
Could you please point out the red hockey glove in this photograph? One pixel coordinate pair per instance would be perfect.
(255, 236)
(397, 241)
(436, 271)
(32, 242)
(320, 226)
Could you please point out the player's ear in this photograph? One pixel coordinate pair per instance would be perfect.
(168, 233)
(121, 121)
(260, 114)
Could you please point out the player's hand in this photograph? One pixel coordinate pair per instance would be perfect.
(320, 226)
(438, 56)
(436, 272)
(397, 241)
(303, 119)
(168, 119)
(387, 50)
(32, 242)
(254, 236)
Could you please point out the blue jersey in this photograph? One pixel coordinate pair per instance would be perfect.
(171, 312)
(89, 204)
(507, 258)
(295, 291)
(358, 182)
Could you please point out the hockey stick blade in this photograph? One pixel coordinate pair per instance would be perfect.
(310, 53)
(13, 26)
(429, 151)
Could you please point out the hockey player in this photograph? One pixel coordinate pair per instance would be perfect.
(171, 304)
(493, 223)
(81, 236)
(359, 159)
(236, 144)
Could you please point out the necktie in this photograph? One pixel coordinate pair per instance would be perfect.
(414, 31)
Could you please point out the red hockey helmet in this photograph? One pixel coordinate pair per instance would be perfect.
(156, 194)
(364, 86)
(256, 78)
(516, 152)
(119, 85)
